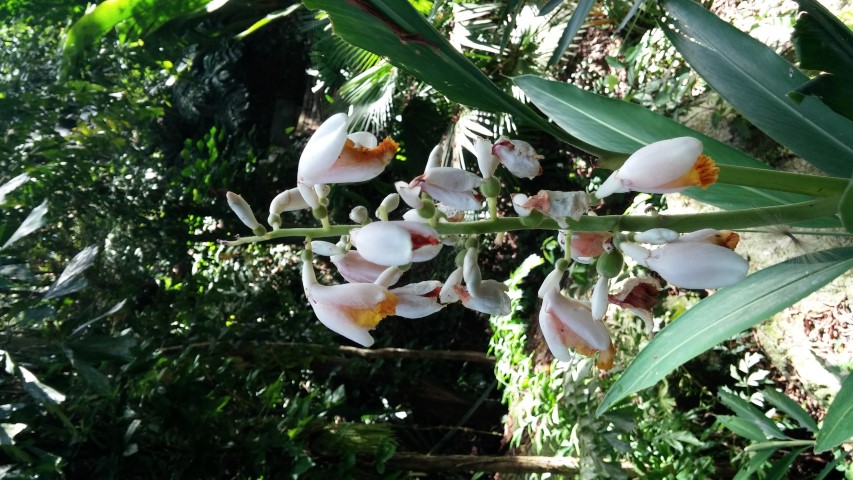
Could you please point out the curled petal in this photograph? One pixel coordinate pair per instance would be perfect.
(518, 157)
(434, 159)
(448, 293)
(491, 298)
(656, 236)
(454, 179)
(363, 139)
(487, 162)
(465, 201)
(411, 195)
(309, 195)
(418, 300)
(356, 269)
(287, 201)
(567, 323)
(323, 148)
(552, 282)
(471, 272)
(639, 295)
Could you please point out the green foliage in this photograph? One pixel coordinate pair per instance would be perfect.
(838, 425)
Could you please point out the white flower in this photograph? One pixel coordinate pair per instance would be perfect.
(396, 243)
(356, 269)
(331, 157)
(518, 157)
(418, 300)
(567, 323)
(662, 167)
(691, 264)
(351, 309)
(452, 186)
(557, 205)
(244, 212)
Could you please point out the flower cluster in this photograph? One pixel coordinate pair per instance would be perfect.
(373, 256)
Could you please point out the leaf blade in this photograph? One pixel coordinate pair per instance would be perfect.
(838, 423)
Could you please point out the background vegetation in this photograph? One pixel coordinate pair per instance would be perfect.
(135, 346)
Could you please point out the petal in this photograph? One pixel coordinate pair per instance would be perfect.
(519, 201)
(491, 299)
(333, 320)
(552, 282)
(415, 306)
(586, 245)
(448, 294)
(288, 201)
(323, 147)
(598, 300)
(659, 163)
(363, 139)
(567, 204)
(471, 272)
(464, 201)
(356, 164)
(577, 318)
(309, 195)
(453, 179)
(518, 157)
(359, 215)
(698, 265)
(426, 252)
(656, 236)
(434, 159)
(354, 295)
(487, 162)
(410, 195)
(385, 243)
(356, 269)
(388, 277)
(639, 254)
(242, 209)
(612, 185)
(327, 249)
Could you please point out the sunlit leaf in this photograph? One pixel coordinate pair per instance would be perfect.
(38, 390)
(756, 81)
(8, 432)
(397, 31)
(727, 312)
(33, 222)
(71, 279)
(838, 424)
(742, 427)
(621, 126)
(790, 407)
(11, 185)
(748, 412)
(575, 22)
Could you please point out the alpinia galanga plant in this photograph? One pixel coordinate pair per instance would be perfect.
(649, 153)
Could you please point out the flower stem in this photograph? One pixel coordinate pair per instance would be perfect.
(493, 207)
(814, 185)
(733, 220)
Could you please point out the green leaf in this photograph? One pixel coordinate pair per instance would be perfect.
(11, 185)
(727, 312)
(833, 90)
(620, 126)
(838, 424)
(845, 208)
(757, 461)
(38, 390)
(756, 81)
(779, 469)
(8, 432)
(575, 22)
(790, 407)
(33, 222)
(71, 279)
(395, 30)
(742, 427)
(748, 412)
(822, 41)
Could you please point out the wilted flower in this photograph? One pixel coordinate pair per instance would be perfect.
(639, 295)
(662, 167)
(518, 157)
(567, 323)
(585, 246)
(396, 243)
(452, 186)
(557, 205)
(485, 296)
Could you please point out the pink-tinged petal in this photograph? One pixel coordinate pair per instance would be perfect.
(363, 139)
(327, 249)
(411, 195)
(487, 162)
(418, 300)
(389, 277)
(426, 253)
(585, 246)
(357, 164)
(518, 157)
(453, 179)
(491, 299)
(610, 186)
(288, 201)
(567, 323)
(384, 243)
(434, 159)
(639, 295)
(354, 295)
(464, 201)
(356, 269)
(567, 204)
(697, 265)
(334, 321)
(323, 149)
(242, 209)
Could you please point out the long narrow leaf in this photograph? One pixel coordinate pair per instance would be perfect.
(791, 408)
(756, 81)
(33, 222)
(727, 312)
(748, 412)
(575, 22)
(620, 126)
(838, 423)
(395, 30)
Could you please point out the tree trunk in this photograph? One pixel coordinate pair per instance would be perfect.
(477, 463)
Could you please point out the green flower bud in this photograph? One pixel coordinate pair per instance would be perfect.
(428, 210)
(320, 212)
(491, 187)
(562, 265)
(609, 264)
(472, 242)
(533, 220)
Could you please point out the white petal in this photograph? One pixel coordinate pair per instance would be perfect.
(487, 162)
(518, 200)
(598, 300)
(638, 253)
(552, 282)
(454, 179)
(385, 243)
(414, 306)
(471, 272)
(660, 162)
(410, 195)
(698, 265)
(308, 194)
(326, 249)
(242, 209)
(359, 215)
(390, 202)
(426, 253)
(388, 277)
(491, 299)
(577, 317)
(353, 295)
(464, 201)
(333, 320)
(656, 236)
(363, 139)
(419, 288)
(448, 294)
(287, 201)
(704, 235)
(610, 186)
(434, 158)
(549, 324)
(324, 147)
(356, 269)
